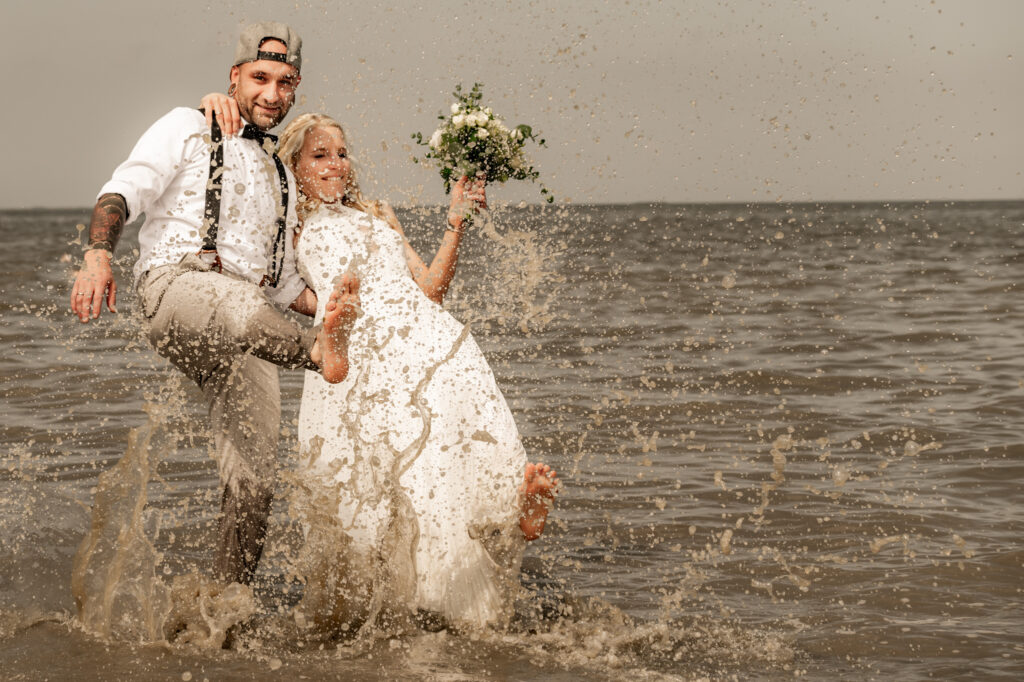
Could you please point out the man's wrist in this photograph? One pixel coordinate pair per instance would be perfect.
(92, 253)
(108, 219)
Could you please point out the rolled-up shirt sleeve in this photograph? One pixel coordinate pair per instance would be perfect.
(155, 160)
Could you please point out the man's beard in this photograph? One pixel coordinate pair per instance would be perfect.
(247, 110)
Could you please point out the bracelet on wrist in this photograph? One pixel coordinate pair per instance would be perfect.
(466, 222)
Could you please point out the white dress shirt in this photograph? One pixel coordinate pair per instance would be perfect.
(165, 177)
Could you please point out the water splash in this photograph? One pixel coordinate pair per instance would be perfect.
(114, 581)
(117, 592)
(517, 286)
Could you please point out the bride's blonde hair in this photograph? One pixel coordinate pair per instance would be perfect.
(289, 147)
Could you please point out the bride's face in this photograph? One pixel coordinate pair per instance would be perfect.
(323, 165)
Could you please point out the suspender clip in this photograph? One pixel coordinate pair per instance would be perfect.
(211, 258)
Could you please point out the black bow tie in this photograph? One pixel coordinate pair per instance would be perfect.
(251, 132)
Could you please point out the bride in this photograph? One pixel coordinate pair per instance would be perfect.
(419, 497)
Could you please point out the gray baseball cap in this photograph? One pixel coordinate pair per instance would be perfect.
(248, 49)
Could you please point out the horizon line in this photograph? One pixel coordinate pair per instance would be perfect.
(726, 202)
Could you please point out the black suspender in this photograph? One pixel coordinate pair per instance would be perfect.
(211, 212)
(277, 264)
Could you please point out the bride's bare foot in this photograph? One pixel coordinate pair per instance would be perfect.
(539, 487)
(330, 351)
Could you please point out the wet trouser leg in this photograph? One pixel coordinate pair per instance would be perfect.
(224, 334)
(245, 416)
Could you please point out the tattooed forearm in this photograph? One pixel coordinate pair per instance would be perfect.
(108, 220)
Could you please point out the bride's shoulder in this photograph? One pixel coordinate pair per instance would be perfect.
(383, 212)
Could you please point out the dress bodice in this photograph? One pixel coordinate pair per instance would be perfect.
(337, 239)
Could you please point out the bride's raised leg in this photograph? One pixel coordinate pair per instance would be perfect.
(330, 351)
(540, 484)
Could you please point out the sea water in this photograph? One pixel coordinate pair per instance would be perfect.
(789, 438)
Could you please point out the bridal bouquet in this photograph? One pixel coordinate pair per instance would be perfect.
(472, 140)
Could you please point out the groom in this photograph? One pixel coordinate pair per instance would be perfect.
(216, 269)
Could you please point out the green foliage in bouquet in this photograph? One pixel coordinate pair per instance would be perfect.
(473, 140)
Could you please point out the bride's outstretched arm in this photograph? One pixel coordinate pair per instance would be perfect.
(467, 197)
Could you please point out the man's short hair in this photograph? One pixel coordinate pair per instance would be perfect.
(254, 35)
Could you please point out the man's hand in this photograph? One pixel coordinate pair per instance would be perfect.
(94, 281)
(305, 303)
(96, 278)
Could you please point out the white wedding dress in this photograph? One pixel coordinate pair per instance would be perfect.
(417, 447)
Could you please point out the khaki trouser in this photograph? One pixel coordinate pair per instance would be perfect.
(225, 335)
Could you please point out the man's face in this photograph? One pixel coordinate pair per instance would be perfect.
(265, 89)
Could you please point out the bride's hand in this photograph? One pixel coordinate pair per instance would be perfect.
(225, 109)
(468, 198)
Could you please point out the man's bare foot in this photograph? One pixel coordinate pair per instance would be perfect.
(539, 486)
(330, 351)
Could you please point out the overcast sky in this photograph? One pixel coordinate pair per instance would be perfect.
(682, 101)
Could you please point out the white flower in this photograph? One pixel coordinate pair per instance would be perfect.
(455, 108)
(480, 119)
(487, 111)
(435, 139)
(517, 134)
(481, 133)
(459, 120)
